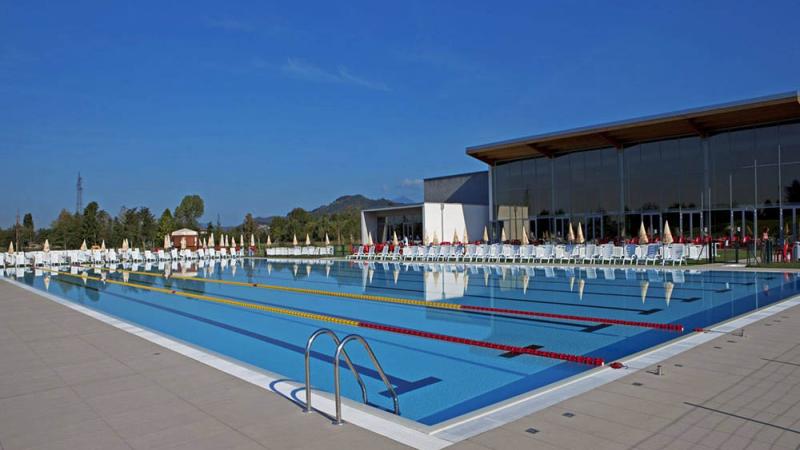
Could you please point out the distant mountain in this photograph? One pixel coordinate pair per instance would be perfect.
(264, 220)
(403, 200)
(352, 202)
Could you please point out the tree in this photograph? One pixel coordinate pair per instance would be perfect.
(166, 224)
(28, 231)
(66, 230)
(792, 192)
(148, 228)
(249, 226)
(189, 211)
(90, 227)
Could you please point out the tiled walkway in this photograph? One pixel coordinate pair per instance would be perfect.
(68, 381)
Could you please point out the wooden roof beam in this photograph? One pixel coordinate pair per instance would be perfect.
(542, 150)
(697, 128)
(614, 142)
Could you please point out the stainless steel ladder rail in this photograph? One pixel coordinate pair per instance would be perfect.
(336, 341)
(337, 387)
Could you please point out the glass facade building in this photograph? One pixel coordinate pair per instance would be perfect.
(730, 183)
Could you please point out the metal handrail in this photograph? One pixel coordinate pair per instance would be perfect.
(337, 386)
(336, 341)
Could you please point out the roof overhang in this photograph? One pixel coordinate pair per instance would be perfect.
(396, 208)
(702, 122)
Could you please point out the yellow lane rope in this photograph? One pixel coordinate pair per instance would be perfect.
(374, 298)
(223, 301)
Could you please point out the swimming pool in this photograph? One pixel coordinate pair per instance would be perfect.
(436, 380)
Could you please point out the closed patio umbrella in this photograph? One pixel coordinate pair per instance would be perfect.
(294, 240)
(465, 236)
(570, 233)
(485, 234)
(241, 240)
(425, 240)
(327, 240)
(642, 234)
(11, 247)
(308, 239)
(269, 241)
(252, 240)
(668, 286)
(435, 238)
(580, 238)
(233, 242)
(46, 245)
(525, 240)
(103, 245)
(83, 245)
(369, 239)
(667, 233)
(211, 240)
(395, 242)
(455, 236)
(503, 235)
(124, 244)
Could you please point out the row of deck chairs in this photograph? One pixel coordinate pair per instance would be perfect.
(308, 250)
(564, 254)
(78, 257)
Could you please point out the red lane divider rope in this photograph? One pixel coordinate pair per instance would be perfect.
(475, 343)
(632, 323)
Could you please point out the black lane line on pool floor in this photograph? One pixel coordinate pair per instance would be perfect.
(515, 354)
(401, 384)
(575, 324)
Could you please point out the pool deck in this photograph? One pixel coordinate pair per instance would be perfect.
(69, 381)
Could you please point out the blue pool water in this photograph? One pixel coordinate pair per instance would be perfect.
(435, 380)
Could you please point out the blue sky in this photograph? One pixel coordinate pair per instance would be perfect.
(260, 107)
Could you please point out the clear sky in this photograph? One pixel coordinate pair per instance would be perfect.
(260, 107)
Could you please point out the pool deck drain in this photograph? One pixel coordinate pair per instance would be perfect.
(70, 381)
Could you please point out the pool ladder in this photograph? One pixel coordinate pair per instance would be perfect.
(340, 351)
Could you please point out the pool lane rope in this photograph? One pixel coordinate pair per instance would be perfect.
(421, 303)
(593, 361)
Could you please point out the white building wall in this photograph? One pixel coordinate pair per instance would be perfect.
(442, 220)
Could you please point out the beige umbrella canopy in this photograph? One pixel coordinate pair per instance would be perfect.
(11, 247)
(241, 240)
(455, 237)
(435, 238)
(425, 240)
(570, 233)
(211, 240)
(83, 245)
(580, 238)
(642, 234)
(233, 242)
(503, 235)
(395, 242)
(485, 234)
(252, 240)
(46, 245)
(525, 240)
(370, 242)
(327, 240)
(294, 240)
(103, 245)
(465, 236)
(183, 243)
(308, 239)
(667, 233)
(269, 241)
(124, 244)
